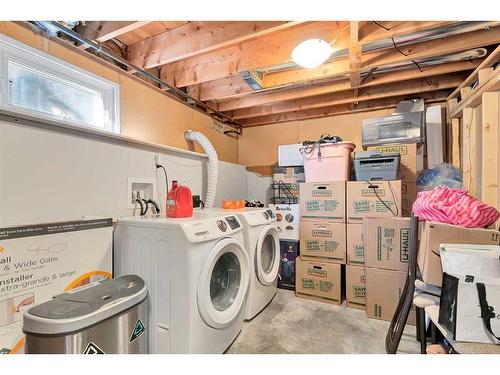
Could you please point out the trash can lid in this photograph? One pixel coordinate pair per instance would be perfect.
(85, 306)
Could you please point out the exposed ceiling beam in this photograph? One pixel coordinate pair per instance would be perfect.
(389, 56)
(224, 88)
(266, 51)
(431, 97)
(346, 97)
(199, 38)
(101, 31)
(355, 52)
(370, 31)
(267, 97)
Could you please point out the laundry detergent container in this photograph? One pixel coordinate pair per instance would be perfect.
(107, 317)
(327, 161)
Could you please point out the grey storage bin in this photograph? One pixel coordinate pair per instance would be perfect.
(376, 165)
(109, 316)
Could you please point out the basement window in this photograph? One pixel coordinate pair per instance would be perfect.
(40, 85)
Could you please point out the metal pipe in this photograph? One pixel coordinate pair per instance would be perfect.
(189, 100)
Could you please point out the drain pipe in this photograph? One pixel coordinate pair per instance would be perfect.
(213, 167)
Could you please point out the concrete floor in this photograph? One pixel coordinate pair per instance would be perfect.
(295, 325)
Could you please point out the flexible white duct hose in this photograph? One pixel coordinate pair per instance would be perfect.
(212, 164)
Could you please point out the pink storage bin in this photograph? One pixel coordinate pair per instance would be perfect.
(333, 164)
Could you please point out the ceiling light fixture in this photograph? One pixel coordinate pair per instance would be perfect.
(314, 52)
(311, 53)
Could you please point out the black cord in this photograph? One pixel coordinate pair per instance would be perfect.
(374, 187)
(165, 171)
(413, 61)
(382, 26)
(156, 207)
(142, 206)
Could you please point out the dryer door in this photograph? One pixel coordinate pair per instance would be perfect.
(223, 283)
(267, 255)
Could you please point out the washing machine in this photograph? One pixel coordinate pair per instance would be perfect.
(197, 272)
(263, 248)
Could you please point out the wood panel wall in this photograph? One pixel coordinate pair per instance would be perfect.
(146, 113)
(259, 145)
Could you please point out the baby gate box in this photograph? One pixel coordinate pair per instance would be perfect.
(40, 261)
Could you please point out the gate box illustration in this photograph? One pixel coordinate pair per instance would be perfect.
(387, 243)
(40, 261)
(319, 280)
(289, 254)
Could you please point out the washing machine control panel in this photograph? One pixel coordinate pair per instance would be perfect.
(221, 224)
(233, 222)
(270, 213)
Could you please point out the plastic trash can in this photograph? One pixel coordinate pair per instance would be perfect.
(327, 161)
(109, 316)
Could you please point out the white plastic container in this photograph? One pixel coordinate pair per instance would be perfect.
(327, 162)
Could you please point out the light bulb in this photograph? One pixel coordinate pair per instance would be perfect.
(311, 53)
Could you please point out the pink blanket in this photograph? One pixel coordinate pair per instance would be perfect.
(454, 206)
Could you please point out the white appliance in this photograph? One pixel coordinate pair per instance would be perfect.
(263, 246)
(197, 272)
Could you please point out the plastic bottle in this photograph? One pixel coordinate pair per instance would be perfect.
(179, 201)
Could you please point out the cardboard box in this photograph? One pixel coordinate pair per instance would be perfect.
(433, 234)
(408, 163)
(372, 199)
(323, 239)
(319, 280)
(323, 200)
(285, 193)
(289, 155)
(289, 175)
(39, 261)
(383, 290)
(408, 197)
(387, 243)
(355, 245)
(287, 220)
(289, 251)
(355, 286)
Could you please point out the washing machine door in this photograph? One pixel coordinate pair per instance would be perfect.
(223, 283)
(267, 255)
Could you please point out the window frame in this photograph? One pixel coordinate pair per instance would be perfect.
(15, 52)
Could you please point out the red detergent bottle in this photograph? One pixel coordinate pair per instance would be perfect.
(179, 201)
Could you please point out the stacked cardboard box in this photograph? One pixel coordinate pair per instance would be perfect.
(364, 200)
(409, 165)
(387, 256)
(322, 241)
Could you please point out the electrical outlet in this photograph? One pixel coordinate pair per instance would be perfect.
(145, 187)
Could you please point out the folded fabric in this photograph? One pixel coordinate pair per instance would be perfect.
(454, 206)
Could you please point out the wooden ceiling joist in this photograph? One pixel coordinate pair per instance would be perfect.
(199, 38)
(431, 97)
(355, 51)
(370, 31)
(266, 51)
(269, 97)
(377, 92)
(424, 50)
(101, 31)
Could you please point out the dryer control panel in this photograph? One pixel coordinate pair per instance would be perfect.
(211, 228)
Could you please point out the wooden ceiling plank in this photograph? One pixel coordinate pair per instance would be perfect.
(268, 97)
(198, 38)
(345, 97)
(369, 31)
(431, 97)
(423, 50)
(266, 51)
(355, 52)
(101, 31)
